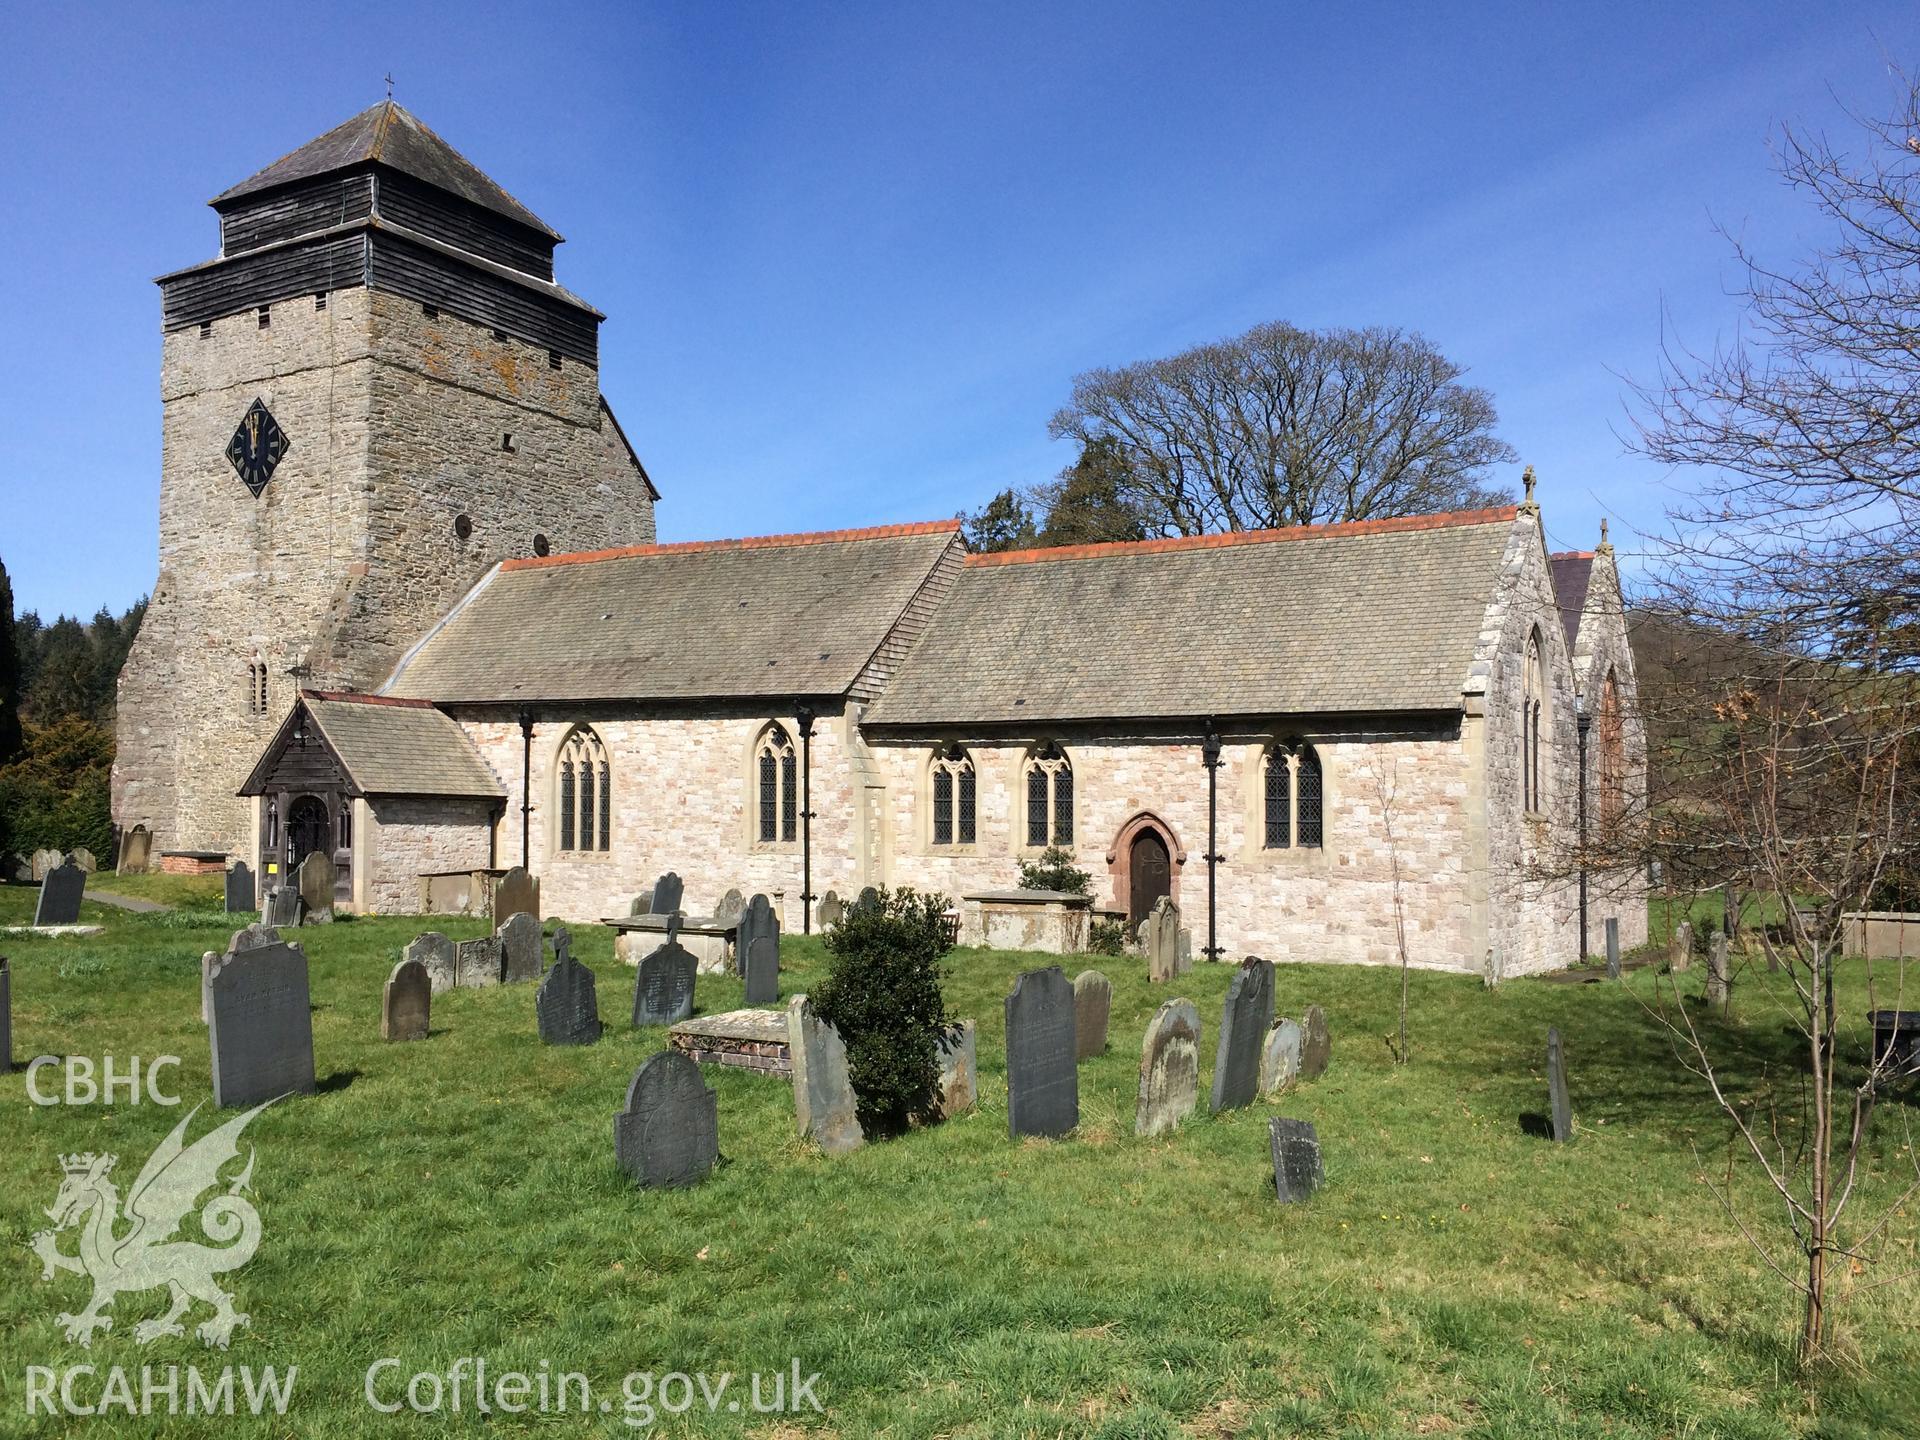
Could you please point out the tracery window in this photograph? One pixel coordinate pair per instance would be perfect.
(584, 782)
(1532, 718)
(1293, 793)
(777, 780)
(1049, 797)
(955, 788)
(1613, 755)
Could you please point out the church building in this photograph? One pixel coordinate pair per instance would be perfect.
(411, 610)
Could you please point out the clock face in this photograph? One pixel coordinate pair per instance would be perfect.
(257, 447)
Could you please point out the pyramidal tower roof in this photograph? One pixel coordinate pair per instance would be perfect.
(388, 135)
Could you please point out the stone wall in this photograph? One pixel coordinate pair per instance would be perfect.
(414, 835)
(1603, 649)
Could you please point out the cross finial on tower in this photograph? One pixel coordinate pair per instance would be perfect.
(1605, 544)
(1529, 505)
(389, 85)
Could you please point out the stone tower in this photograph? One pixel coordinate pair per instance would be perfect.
(372, 394)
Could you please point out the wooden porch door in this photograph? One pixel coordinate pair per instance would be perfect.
(1149, 874)
(308, 829)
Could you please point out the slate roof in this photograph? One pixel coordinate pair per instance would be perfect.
(1572, 574)
(777, 615)
(387, 135)
(390, 747)
(1376, 616)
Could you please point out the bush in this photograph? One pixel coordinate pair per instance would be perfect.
(882, 993)
(1107, 937)
(55, 795)
(1054, 870)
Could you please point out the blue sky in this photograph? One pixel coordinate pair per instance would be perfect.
(852, 255)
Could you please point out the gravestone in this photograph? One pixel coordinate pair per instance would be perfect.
(1169, 1069)
(15, 869)
(1613, 948)
(60, 893)
(663, 986)
(521, 950)
(727, 912)
(669, 1133)
(1160, 937)
(667, 891)
(436, 952)
(1092, 1003)
(136, 851)
(1560, 1105)
(756, 949)
(1184, 954)
(830, 910)
(1043, 1086)
(249, 938)
(515, 893)
(642, 904)
(240, 897)
(1316, 1043)
(1245, 1018)
(959, 1073)
(6, 1017)
(1280, 1058)
(283, 906)
(868, 899)
(406, 1005)
(476, 963)
(1297, 1171)
(1719, 973)
(566, 1008)
(82, 858)
(1680, 948)
(823, 1100)
(317, 877)
(45, 862)
(259, 1025)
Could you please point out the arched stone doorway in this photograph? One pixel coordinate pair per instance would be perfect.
(308, 829)
(1144, 861)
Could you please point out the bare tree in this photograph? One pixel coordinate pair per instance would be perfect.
(1386, 792)
(1284, 426)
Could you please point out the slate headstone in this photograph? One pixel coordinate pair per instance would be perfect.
(476, 963)
(136, 851)
(317, 878)
(515, 893)
(823, 1101)
(1297, 1170)
(1092, 1003)
(521, 948)
(1560, 1105)
(1043, 1085)
(436, 952)
(1719, 973)
(260, 1025)
(642, 904)
(283, 906)
(667, 893)
(1316, 1043)
(566, 1007)
(868, 899)
(250, 937)
(1245, 1018)
(669, 1132)
(60, 893)
(406, 1005)
(6, 1017)
(1613, 948)
(1169, 1069)
(959, 1073)
(830, 909)
(1160, 937)
(1280, 1059)
(82, 858)
(239, 890)
(663, 985)
(727, 913)
(45, 862)
(1680, 948)
(756, 948)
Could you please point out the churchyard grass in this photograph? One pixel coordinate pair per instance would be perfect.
(1458, 1275)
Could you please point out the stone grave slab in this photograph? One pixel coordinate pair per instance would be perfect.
(522, 948)
(1316, 1043)
(60, 892)
(515, 893)
(1092, 1004)
(668, 891)
(1719, 990)
(824, 1106)
(566, 1008)
(260, 1025)
(829, 910)
(436, 952)
(743, 1039)
(727, 912)
(1561, 1105)
(1169, 1069)
(1160, 937)
(1613, 947)
(1297, 1168)
(867, 899)
(82, 859)
(317, 878)
(283, 906)
(1680, 948)
(6, 1017)
(1043, 1085)
(642, 904)
(240, 898)
(756, 948)
(45, 862)
(1280, 1057)
(1245, 1018)
(136, 851)
(959, 1071)
(663, 986)
(406, 1005)
(476, 963)
(669, 1133)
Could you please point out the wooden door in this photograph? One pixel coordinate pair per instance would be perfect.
(308, 829)
(1149, 874)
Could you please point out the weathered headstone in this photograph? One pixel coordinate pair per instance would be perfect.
(1092, 1003)
(756, 948)
(45, 862)
(1297, 1170)
(1169, 1069)
(830, 909)
(477, 962)
(1561, 1106)
(727, 912)
(6, 1017)
(239, 890)
(515, 893)
(959, 1074)
(669, 1132)
(15, 869)
(436, 952)
(1719, 972)
(566, 1008)
(667, 892)
(823, 1101)
(642, 904)
(1184, 954)
(136, 851)
(249, 938)
(663, 986)
(1043, 1085)
(259, 1025)
(1680, 948)
(1245, 1018)
(60, 893)
(1316, 1043)
(282, 907)
(406, 1005)
(1280, 1058)
(82, 859)
(1160, 937)
(317, 878)
(868, 899)
(1613, 948)
(521, 948)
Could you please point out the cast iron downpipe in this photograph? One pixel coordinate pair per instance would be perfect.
(803, 718)
(1580, 729)
(526, 778)
(1210, 756)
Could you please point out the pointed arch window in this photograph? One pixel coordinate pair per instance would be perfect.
(1613, 755)
(1049, 797)
(1533, 717)
(583, 781)
(777, 781)
(1293, 794)
(955, 791)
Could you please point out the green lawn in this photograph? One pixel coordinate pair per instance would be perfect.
(1457, 1276)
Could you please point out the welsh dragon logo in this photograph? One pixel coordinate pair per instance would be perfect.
(120, 1257)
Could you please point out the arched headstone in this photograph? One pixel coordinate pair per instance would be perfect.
(1245, 1018)
(1043, 1086)
(1169, 1069)
(669, 1132)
